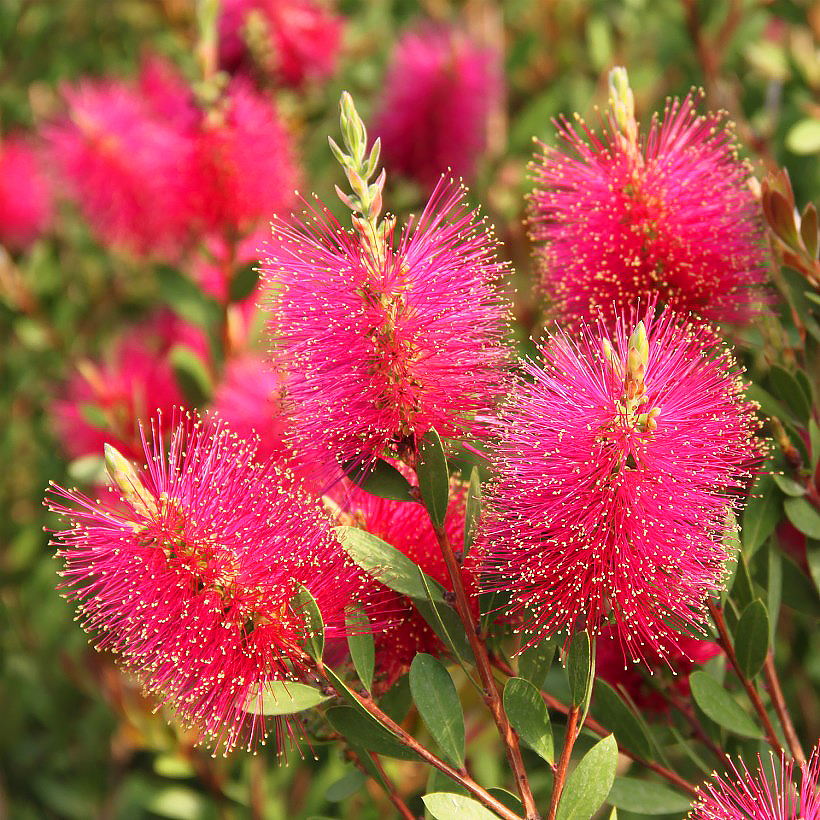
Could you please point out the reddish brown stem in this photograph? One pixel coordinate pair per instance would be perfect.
(779, 703)
(563, 763)
(751, 691)
(390, 790)
(492, 696)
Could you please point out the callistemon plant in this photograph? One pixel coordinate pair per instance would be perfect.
(619, 218)
(192, 574)
(618, 465)
(379, 337)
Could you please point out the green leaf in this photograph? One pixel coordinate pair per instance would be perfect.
(304, 604)
(803, 138)
(731, 543)
(803, 515)
(761, 515)
(386, 564)
(191, 375)
(472, 512)
(187, 299)
(614, 713)
(718, 705)
(813, 559)
(381, 479)
(396, 702)
(814, 440)
(434, 480)
(444, 621)
(284, 698)
(802, 596)
(243, 282)
(644, 797)
(752, 639)
(438, 703)
(448, 806)
(368, 734)
(791, 391)
(589, 784)
(345, 787)
(361, 645)
(534, 662)
(788, 486)
(528, 715)
(578, 667)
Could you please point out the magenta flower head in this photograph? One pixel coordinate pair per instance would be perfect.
(617, 464)
(762, 795)
(25, 194)
(439, 95)
(190, 576)
(379, 341)
(619, 219)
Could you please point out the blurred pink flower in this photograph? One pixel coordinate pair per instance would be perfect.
(104, 400)
(616, 467)
(25, 193)
(438, 96)
(302, 39)
(378, 347)
(675, 218)
(190, 579)
(762, 795)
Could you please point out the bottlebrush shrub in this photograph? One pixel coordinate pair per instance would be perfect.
(190, 576)
(762, 795)
(616, 466)
(619, 221)
(439, 94)
(379, 346)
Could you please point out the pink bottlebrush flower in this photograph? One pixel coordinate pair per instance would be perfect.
(438, 96)
(297, 41)
(610, 666)
(674, 217)
(104, 400)
(769, 794)
(378, 346)
(125, 168)
(243, 169)
(25, 194)
(190, 578)
(617, 465)
(407, 527)
(249, 398)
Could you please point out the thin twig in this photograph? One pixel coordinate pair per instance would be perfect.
(779, 703)
(751, 691)
(390, 790)
(563, 763)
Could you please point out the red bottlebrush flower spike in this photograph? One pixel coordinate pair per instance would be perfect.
(762, 795)
(675, 217)
(190, 579)
(292, 41)
(378, 345)
(440, 92)
(25, 195)
(616, 468)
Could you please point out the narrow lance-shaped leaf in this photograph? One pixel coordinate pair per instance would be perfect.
(588, 785)
(535, 661)
(718, 705)
(752, 639)
(370, 735)
(528, 715)
(381, 479)
(803, 515)
(578, 667)
(361, 645)
(284, 698)
(434, 480)
(614, 713)
(472, 512)
(761, 514)
(304, 605)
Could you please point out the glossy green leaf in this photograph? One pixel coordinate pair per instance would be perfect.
(284, 698)
(718, 705)
(644, 797)
(528, 715)
(535, 661)
(449, 806)
(788, 486)
(350, 724)
(387, 564)
(589, 783)
(752, 639)
(191, 375)
(579, 667)
(345, 787)
(803, 515)
(614, 713)
(434, 480)
(304, 605)
(361, 645)
(787, 387)
(472, 512)
(761, 515)
(383, 480)
(438, 703)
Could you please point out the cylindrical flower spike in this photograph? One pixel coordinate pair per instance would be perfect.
(616, 465)
(191, 576)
